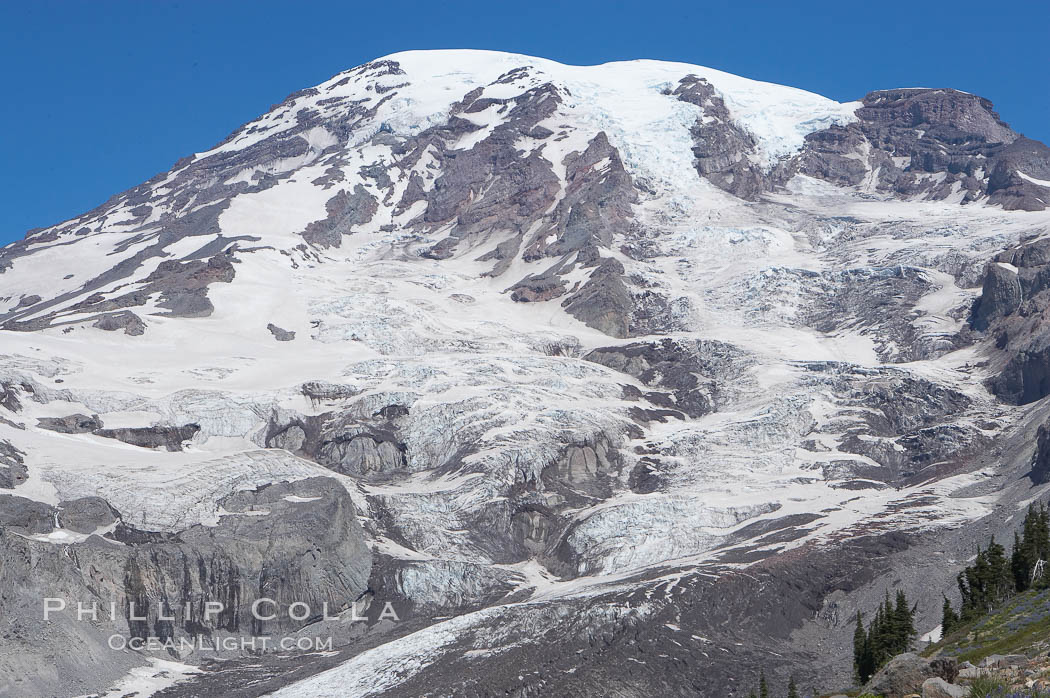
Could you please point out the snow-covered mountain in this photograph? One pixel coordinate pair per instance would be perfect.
(626, 379)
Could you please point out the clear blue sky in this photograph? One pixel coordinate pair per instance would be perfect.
(100, 95)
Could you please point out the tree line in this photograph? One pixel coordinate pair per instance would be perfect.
(993, 577)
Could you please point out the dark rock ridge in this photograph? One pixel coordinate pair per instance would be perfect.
(281, 335)
(724, 151)
(170, 438)
(690, 372)
(932, 143)
(125, 320)
(71, 424)
(13, 471)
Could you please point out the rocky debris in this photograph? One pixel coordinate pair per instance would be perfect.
(281, 335)
(937, 687)
(999, 661)
(489, 187)
(903, 426)
(125, 320)
(537, 289)
(904, 675)
(183, 286)
(170, 438)
(494, 462)
(71, 424)
(9, 396)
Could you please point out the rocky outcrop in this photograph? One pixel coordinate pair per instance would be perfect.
(13, 471)
(125, 320)
(933, 143)
(725, 152)
(1040, 472)
(1014, 299)
(281, 335)
(167, 437)
(86, 515)
(691, 373)
(346, 211)
(604, 302)
(1000, 296)
(71, 424)
(288, 543)
(904, 675)
(937, 687)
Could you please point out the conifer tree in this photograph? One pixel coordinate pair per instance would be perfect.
(792, 688)
(949, 618)
(860, 641)
(903, 624)
(763, 687)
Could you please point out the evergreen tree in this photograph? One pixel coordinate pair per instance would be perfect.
(792, 688)
(763, 687)
(860, 641)
(1000, 582)
(890, 633)
(903, 624)
(949, 618)
(1019, 563)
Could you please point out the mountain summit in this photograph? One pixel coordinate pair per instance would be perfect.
(629, 379)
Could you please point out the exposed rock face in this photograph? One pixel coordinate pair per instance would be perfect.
(1040, 472)
(125, 320)
(604, 302)
(13, 471)
(257, 551)
(724, 151)
(281, 335)
(934, 143)
(690, 371)
(1001, 296)
(345, 212)
(73, 424)
(1012, 306)
(169, 437)
(87, 514)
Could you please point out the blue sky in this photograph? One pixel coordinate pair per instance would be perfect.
(100, 95)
